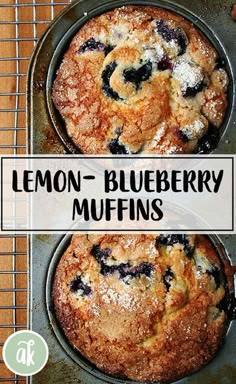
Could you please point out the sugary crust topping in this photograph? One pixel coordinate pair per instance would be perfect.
(132, 70)
(144, 307)
(188, 74)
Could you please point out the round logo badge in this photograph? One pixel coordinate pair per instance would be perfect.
(25, 353)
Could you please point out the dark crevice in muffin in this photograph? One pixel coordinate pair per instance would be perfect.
(164, 64)
(182, 136)
(216, 275)
(116, 147)
(209, 141)
(192, 91)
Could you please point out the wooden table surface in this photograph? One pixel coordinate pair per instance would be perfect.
(21, 23)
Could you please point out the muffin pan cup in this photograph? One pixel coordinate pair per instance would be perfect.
(67, 363)
(47, 132)
(47, 135)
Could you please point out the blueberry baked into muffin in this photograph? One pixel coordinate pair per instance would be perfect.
(143, 307)
(141, 79)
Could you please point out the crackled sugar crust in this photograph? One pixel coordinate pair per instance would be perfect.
(143, 307)
(141, 79)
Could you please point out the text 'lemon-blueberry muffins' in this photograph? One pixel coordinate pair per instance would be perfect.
(141, 79)
(143, 307)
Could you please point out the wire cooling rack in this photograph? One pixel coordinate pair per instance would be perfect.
(21, 24)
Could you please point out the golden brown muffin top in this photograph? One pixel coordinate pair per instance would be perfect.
(141, 79)
(146, 307)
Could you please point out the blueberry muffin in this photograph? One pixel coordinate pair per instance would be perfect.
(141, 79)
(142, 307)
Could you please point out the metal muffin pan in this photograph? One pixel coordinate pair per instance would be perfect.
(47, 136)
(67, 363)
(48, 130)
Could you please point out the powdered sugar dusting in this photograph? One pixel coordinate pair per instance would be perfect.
(159, 134)
(187, 73)
(194, 130)
(153, 54)
(129, 242)
(151, 250)
(173, 47)
(173, 149)
(95, 309)
(112, 296)
(119, 32)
